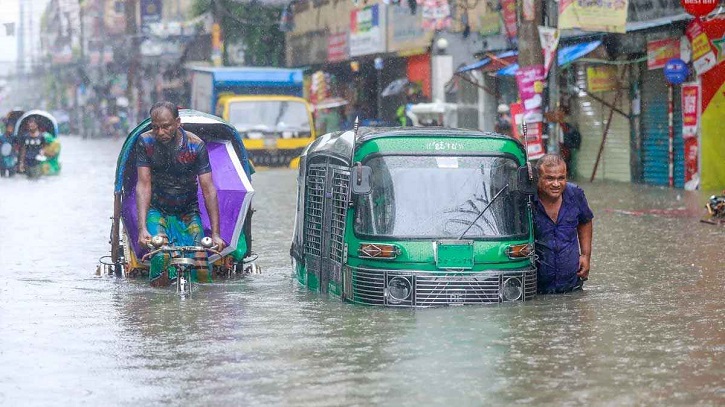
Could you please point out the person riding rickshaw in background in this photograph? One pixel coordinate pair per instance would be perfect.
(39, 151)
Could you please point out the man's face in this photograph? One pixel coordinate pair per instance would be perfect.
(164, 126)
(32, 126)
(552, 181)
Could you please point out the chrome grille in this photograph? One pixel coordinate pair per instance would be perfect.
(314, 209)
(340, 186)
(438, 289)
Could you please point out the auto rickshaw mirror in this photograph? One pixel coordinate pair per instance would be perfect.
(525, 181)
(360, 179)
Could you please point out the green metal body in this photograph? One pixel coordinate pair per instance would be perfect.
(468, 270)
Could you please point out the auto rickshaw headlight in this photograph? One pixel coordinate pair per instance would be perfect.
(399, 289)
(511, 289)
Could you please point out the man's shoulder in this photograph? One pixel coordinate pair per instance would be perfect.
(146, 137)
(193, 138)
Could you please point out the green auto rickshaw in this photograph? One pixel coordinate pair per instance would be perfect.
(415, 217)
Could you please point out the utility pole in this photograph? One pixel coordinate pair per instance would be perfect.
(529, 17)
(21, 44)
(132, 93)
(552, 20)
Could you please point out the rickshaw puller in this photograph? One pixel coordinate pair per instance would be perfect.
(169, 161)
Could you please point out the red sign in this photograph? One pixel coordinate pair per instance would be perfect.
(508, 11)
(534, 141)
(337, 47)
(699, 8)
(703, 56)
(690, 109)
(691, 163)
(661, 51)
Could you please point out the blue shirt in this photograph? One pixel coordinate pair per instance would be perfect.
(174, 171)
(557, 244)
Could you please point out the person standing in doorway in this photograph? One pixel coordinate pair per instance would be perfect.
(563, 229)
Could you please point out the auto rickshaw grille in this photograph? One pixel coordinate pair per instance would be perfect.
(314, 209)
(438, 289)
(340, 186)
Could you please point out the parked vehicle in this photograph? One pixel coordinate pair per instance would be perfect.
(265, 105)
(231, 174)
(415, 217)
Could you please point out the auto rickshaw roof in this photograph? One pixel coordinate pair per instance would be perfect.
(44, 119)
(341, 144)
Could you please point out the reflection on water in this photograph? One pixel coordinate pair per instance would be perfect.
(647, 330)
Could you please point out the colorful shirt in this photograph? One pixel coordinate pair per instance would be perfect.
(174, 171)
(33, 148)
(557, 244)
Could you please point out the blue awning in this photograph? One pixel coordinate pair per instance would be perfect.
(495, 61)
(565, 56)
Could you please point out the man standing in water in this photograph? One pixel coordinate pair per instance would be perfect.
(562, 229)
(169, 160)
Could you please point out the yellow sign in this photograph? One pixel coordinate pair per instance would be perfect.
(607, 16)
(601, 78)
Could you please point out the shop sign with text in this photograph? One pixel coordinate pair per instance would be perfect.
(607, 16)
(337, 47)
(405, 30)
(367, 30)
(690, 109)
(601, 78)
(703, 57)
(661, 51)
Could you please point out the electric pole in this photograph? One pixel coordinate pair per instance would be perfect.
(529, 19)
(134, 63)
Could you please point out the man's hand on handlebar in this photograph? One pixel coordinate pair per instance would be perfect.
(219, 243)
(144, 238)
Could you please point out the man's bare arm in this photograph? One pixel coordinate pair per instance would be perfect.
(584, 232)
(143, 199)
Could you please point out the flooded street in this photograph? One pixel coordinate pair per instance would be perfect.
(649, 329)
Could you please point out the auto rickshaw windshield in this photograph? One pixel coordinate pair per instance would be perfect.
(442, 197)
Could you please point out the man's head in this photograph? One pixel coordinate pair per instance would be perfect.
(165, 121)
(551, 170)
(32, 125)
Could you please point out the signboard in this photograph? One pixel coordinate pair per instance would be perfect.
(660, 51)
(607, 16)
(699, 8)
(367, 31)
(602, 78)
(405, 31)
(337, 47)
(690, 109)
(549, 38)
(150, 13)
(703, 57)
(676, 71)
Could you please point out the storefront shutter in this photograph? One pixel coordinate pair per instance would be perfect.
(591, 118)
(655, 131)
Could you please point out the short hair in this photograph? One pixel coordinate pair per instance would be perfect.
(549, 160)
(165, 105)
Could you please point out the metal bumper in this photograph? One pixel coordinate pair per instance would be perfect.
(428, 289)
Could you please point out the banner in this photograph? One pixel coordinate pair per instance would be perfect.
(530, 81)
(607, 16)
(690, 109)
(549, 38)
(602, 78)
(703, 57)
(508, 13)
(367, 31)
(150, 13)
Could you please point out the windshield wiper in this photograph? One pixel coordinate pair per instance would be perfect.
(483, 211)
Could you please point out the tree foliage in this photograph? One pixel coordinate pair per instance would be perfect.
(253, 24)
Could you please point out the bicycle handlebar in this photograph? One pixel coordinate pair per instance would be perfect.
(183, 249)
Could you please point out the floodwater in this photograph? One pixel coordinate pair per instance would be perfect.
(647, 330)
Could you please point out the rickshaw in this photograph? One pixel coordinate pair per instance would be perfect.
(48, 125)
(231, 174)
(415, 217)
(9, 147)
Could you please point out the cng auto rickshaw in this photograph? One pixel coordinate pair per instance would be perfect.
(415, 217)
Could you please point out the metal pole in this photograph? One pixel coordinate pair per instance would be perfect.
(380, 94)
(671, 128)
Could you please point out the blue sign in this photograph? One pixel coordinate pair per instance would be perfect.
(150, 13)
(676, 71)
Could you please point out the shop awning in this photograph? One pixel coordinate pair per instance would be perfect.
(493, 62)
(565, 56)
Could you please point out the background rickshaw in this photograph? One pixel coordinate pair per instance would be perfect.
(48, 125)
(231, 174)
